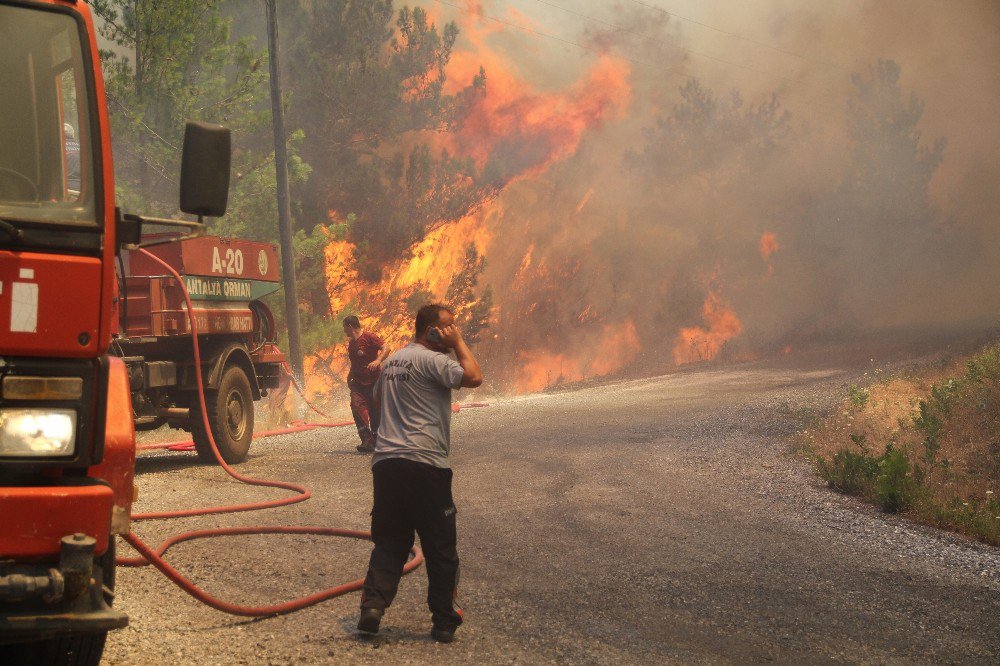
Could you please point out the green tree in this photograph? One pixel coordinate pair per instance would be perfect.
(708, 136)
(367, 83)
(177, 61)
(890, 166)
(879, 222)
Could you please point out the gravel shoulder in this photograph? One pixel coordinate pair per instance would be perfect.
(651, 521)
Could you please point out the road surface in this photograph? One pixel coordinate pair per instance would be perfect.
(653, 521)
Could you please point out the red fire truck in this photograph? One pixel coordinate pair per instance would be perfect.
(225, 279)
(89, 333)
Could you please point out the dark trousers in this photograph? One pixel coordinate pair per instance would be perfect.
(364, 410)
(412, 496)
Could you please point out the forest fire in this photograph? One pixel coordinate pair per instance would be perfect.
(768, 246)
(529, 128)
(427, 272)
(616, 347)
(575, 202)
(703, 343)
(533, 129)
(513, 132)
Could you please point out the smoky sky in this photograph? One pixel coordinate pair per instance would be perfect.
(860, 137)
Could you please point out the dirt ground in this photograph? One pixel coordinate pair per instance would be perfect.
(651, 521)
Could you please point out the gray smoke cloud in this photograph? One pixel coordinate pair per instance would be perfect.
(830, 170)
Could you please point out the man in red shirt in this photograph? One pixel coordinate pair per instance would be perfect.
(366, 351)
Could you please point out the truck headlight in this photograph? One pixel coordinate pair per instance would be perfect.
(28, 433)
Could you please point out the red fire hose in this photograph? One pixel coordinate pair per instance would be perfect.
(152, 556)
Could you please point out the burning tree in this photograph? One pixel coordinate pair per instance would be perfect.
(625, 218)
(368, 87)
(472, 312)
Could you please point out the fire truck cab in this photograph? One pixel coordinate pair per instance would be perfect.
(67, 438)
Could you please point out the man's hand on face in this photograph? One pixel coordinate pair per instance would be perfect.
(374, 365)
(450, 336)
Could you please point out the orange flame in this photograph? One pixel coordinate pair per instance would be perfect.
(538, 128)
(586, 197)
(428, 267)
(768, 245)
(534, 127)
(704, 343)
(618, 346)
(521, 131)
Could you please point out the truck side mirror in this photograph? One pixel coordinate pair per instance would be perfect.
(205, 165)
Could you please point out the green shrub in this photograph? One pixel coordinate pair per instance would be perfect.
(985, 367)
(942, 465)
(859, 396)
(898, 481)
(979, 519)
(890, 479)
(849, 471)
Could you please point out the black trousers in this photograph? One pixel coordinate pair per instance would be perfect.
(412, 496)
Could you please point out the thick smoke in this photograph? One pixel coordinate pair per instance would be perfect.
(839, 179)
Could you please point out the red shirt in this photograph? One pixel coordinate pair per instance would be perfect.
(363, 351)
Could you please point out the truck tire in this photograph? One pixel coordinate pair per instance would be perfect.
(230, 413)
(73, 650)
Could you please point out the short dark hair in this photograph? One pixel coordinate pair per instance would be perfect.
(352, 321)
(429, 315)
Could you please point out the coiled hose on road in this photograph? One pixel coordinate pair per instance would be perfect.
(154, 557)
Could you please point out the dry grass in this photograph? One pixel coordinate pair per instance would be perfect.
(926, 444)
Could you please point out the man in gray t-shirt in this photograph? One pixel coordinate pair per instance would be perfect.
(410, 470)
(414, 391)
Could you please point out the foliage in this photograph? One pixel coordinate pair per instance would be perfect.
(472, 312)
(175, 62)
(310, 268)
(724, 170)
(858, 396)
(889, 479)
(880, 219)
(367, 82)
(890, 167)
(850, 471)
(708, 134)
(942, 466)
(898, 480)
(708, 173)
(984, 369)
(321, 332)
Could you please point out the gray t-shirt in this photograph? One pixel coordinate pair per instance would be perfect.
(415, 393)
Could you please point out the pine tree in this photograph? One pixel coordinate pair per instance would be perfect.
(472, 312)
(366, 81)
(177, 61)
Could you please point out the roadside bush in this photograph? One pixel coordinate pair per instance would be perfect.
(941, 431)
(898, 482)
(890, 479)
(858, 396)
(851, 472)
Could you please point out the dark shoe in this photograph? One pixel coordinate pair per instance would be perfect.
(369, 620)
(442, 635)
(368, 439)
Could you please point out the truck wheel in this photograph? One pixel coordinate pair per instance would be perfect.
(72, 650)
(230, 413)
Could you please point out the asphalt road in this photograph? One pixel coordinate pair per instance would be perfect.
(661, 520)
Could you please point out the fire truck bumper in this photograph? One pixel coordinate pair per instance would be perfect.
(35, 518)
(40, 601)
(95, 616)
(51, 580)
